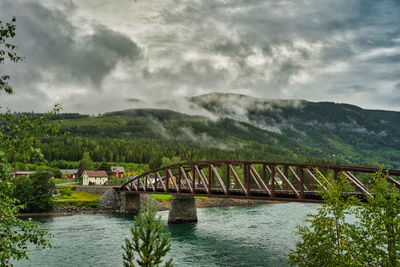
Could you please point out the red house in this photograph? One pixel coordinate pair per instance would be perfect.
(21, 173)
(69, 173)
(118, 171)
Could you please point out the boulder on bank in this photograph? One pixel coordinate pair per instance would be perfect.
(110, 201)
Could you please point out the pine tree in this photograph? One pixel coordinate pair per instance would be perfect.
(85, 164)
(147, 241)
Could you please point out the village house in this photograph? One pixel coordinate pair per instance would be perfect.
(94, 177)
(117, 171)
(69, 173)
(21, 173)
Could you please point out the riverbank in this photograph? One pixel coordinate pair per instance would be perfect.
(161, 204)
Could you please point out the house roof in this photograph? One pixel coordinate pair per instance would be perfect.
(69, 171)
(117, 169)
(23, 172)
(96, 173)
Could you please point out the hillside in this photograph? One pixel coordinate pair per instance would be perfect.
(339, 131)
(241, 127)
(142, 134)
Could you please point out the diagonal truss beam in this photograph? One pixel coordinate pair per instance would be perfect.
(141, 184)
(357, 183)
(393, 181)
(312, 176)
(186, 179)
(257, 176)
(219, 178)
(275, 182)
(238, 180)
(297, 178)
(203, 180)
(283, 176)
(161, 181)
(172, 177)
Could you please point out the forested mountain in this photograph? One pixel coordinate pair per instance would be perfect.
(241, 127)
(339, 131)
(144, 134)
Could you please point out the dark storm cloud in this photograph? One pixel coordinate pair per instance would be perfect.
(54, 49)
(344, 51)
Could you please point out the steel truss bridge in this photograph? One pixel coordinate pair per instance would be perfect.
(278, 181)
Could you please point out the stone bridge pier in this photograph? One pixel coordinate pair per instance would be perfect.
(182, 209)
(130, 203)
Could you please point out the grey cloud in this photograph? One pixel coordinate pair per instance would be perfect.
(54, 48)
(311, 49)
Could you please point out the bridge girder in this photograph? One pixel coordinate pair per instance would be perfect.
(281, 181)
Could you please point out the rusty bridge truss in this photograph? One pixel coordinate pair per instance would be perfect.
(251, 179)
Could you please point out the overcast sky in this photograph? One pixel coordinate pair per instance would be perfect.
(100, 55)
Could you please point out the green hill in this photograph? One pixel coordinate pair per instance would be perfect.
(339, 131)
(247, 128)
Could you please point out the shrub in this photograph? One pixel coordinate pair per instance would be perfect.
(65, 192)
(35, 192)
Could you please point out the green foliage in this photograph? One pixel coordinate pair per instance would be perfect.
(23, 191)
(117, 181)
(65, 192)
(155, 162)
(85, 164)
(105, 167)
(15, 233)
(148, 240)
(378, 232)
(35, 192)
(7, 51)
(170, 161)
(345, 232)
(326, 238)
(17, 140)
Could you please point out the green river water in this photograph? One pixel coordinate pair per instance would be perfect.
(235, 236)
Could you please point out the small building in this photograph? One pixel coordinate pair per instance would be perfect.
(118, 171)
(69, 173)
(94, 177)
(21, 173)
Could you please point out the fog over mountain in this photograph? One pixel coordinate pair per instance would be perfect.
(95, 56)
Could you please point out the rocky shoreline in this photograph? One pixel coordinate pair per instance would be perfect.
(164, 205)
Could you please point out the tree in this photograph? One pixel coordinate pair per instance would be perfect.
(378, 233)
(23, 191)
(17, 138)
(35, 192)
(106, 167)
(148, 240)
(155, 162)
(7, 51)
(326, 239)
(85, 164)
(43, 190)
(372, 239)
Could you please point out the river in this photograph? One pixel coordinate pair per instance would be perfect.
(234, 236)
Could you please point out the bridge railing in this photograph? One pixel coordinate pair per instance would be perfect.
(251, 179)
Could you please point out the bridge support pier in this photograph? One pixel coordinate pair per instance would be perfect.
(182, 210)
(130, 202)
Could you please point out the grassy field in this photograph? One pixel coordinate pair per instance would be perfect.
(63, 181)
(166, 197)
(77, 198)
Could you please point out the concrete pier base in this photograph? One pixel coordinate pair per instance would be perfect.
(130, 202)
(182, 210)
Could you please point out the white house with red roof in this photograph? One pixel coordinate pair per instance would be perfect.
(94, 177)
